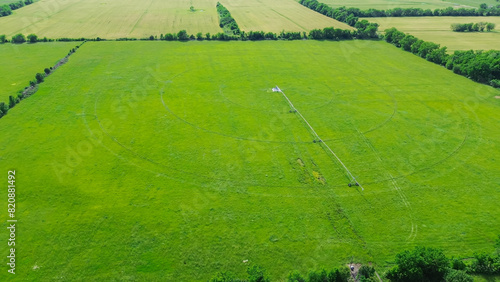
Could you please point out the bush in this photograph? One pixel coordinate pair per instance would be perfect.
(32, 38)
(257, 274)
(3, 109)
(458, 264)
(295, 276)
(183, 35)
(366, 274)
(420, 264)
(485, 264)
(18, 38)
(47, 71)
(3, 39)
(458, 276)
(39, 77)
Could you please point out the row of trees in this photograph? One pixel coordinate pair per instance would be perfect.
(348, 15)
(328, 33)
(480, 26)
(6, 10)
(33, 86)
(365, 28)
(480, 66)
(226, 21)
(429, 264)
(33, 38)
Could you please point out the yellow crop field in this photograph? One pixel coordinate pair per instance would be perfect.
(111, 18)
(277, 15)
(437, 29)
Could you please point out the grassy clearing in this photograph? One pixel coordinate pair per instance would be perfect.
(423, 4)
(278, 15)
(112, 19)
(437, 29)
(137, 163)
(20, 63)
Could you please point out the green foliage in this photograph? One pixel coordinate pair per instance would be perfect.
(257, 274)
(366, 274)
(458, 264)
(457, 276)
(420, 264)
(192, 9)
(3, 39)
(32, 38)
(18, 38)
(472, 27)
(5, 10)
(183, 35)
(39, 77)
(295, 276)
(3, 109)
(485, 264)
(477, 65)
(199, 36)
(344, 14)
(226, 21)
(12, 102)
(46, 71)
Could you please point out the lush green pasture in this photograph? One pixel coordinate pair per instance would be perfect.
(423, 4)
(20, 63)
(112, 19)
(173, 161)
(437, 29)
(277, 15)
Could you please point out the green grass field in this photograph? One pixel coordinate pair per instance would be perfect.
(278, 15)
(20, 63)
(173, 161)
(437, 29)
(423, 4)
(111, 19)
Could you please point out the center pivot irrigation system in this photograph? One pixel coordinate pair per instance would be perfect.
(319, 140)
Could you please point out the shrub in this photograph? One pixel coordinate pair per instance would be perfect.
(18, 38)
(47, 71)
(458, 276)
(3, 109)
(39, 77)
(420, 264)
(257, 274)
(182, 35)
(366, 273)
(3, 39)
(32, 38)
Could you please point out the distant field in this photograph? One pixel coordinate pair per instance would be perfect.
(437, 29)
(112, 18)
(277, 15)
(21, 62)
(169, 161)
(424, 4)
(2, 2)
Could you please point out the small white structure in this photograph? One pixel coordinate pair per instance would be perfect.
(276, 89)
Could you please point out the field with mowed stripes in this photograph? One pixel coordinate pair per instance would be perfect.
(111, 19)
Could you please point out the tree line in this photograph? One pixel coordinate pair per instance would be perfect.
(7, 9)
(33, 38)
(226, 21)
(480, 66)
(349, 15)
(473, 27)
(33, 85)
(365, 28)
